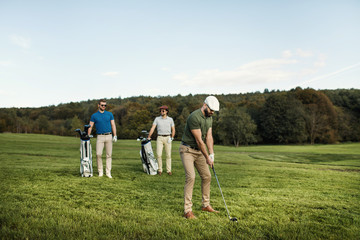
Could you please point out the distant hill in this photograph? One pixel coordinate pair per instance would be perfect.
(277, 117)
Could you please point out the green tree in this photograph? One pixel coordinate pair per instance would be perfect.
(133, 118)
(42, 124)
(180, 123)
(76, 123)
(2, 125)
(236, 127)
(282, 119)
(321, 118)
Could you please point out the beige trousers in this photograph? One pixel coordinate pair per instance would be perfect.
(101, 141)
(162, 142)
(193, 158)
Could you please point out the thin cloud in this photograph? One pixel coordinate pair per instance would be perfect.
(287, 54)
(299, 52)
(320, 62)
(271, 70)
(303, 53)
(165, 69)
(21, 41)
(345, 69)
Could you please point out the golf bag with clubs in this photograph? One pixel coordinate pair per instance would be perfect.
(147, 157)
(86, 169)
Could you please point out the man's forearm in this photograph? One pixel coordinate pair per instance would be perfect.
(151, 131)
(202, 148)
(210, 144)
(113, 127)
(172, 132)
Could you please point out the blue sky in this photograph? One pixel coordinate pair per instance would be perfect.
(54, 52)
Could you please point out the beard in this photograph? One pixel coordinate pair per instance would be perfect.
(207, 114)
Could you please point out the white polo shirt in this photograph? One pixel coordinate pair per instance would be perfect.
(164, 125)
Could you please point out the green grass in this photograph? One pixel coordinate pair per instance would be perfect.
(276, 192)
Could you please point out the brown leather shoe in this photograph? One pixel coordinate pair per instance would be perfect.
(209, 209)
(189, 215)
(159, 173)
(170, 173)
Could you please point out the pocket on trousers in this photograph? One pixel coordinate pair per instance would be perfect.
(183, 149)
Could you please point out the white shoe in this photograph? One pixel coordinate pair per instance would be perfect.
(109, 175)
(101, 174)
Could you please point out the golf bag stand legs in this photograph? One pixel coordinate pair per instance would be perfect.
(86, 169)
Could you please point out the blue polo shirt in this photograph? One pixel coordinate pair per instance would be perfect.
(102, 121)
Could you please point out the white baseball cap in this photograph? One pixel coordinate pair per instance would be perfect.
(212, 103)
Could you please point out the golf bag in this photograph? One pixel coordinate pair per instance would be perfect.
(86, 169)
(147, 157)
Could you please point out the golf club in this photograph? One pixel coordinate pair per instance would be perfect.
(86, 169)
(84, 134)
(234, 219)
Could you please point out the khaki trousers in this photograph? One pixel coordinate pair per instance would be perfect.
(101, 141)
(193, 158)
(160, 143)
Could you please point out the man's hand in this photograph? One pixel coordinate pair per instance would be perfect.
(210, 162)
(170, 139)
(114, 139)
(212, 156)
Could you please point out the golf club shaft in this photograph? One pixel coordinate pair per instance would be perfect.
(221, 192)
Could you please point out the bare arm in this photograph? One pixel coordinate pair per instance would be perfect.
(173, 131)
(210, 141)
(151, 131)
(197, 134)
(90, 128)
(113, 127)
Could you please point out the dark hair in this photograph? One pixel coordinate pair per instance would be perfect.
(102, 100)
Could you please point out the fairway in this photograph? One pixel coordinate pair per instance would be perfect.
(276, 192)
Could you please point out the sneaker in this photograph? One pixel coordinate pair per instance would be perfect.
(209, 209)
(109, 175)
(189, 215)
(101, 174)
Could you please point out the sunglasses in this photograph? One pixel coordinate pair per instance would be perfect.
(103, 105)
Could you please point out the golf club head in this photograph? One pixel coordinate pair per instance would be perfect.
(144, 134)
(86, 127)
(233, 219)
(78, 131)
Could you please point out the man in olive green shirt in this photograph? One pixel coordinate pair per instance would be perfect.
(197, 150)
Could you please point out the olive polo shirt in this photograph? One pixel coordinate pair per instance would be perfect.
(196, 120)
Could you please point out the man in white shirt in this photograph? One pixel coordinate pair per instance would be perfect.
(165, 135)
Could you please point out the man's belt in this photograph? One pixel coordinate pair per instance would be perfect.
(163, 135)
(105, 133)
(187, 145)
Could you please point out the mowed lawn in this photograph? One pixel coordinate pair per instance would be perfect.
(276, 192)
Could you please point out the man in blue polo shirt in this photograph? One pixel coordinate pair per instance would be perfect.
(106, 134)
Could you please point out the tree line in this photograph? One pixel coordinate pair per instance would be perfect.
(297, 116)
